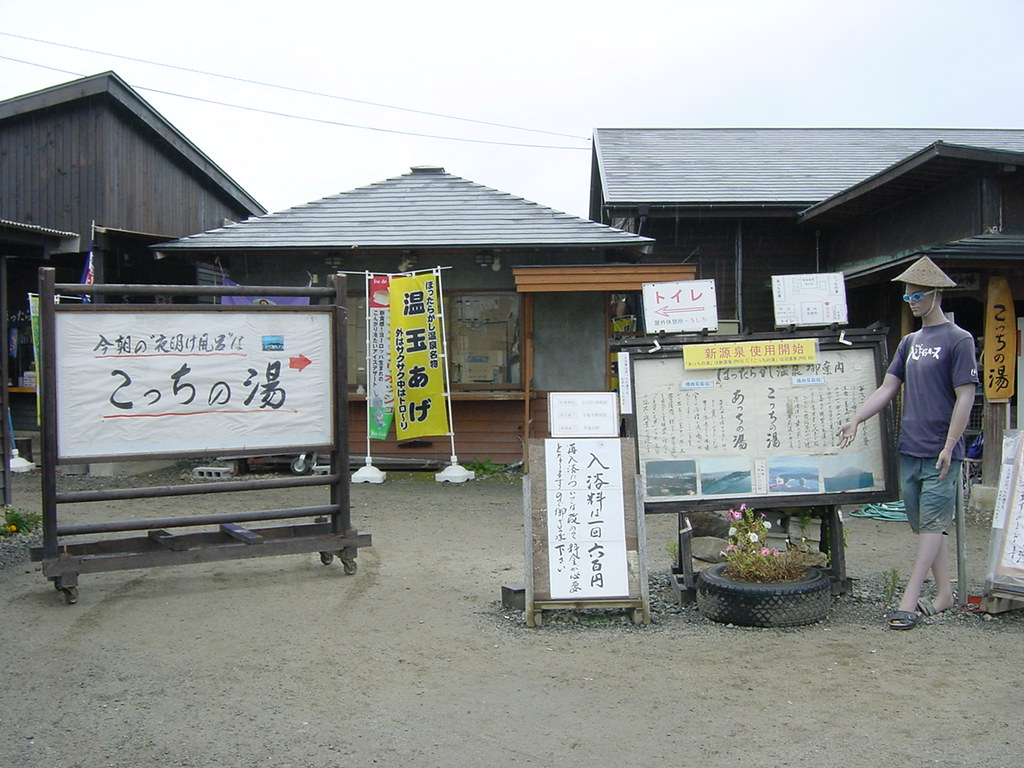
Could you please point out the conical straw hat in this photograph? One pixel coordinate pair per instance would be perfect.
(925, 272)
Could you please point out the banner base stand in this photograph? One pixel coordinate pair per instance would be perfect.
(18, 464)
(454, 473)
(368, 474)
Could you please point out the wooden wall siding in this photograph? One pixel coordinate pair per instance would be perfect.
(65, 168)
(148, 190)
(484, 430)
(771, 248)
(49, 171)
(1012, 196)
(710, 245)
(602, 278)
(949, 213)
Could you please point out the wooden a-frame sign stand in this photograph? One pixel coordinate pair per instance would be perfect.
(329, 531)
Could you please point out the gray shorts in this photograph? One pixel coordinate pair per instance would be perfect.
(929, 502)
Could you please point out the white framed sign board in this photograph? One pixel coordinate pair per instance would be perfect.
(1006, 550)
(681, 306)
(764, 434)
(585, 541)
(583, 414)
(214, 382)
(809, 300)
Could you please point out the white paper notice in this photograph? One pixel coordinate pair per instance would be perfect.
(586, 519)
(809, 300)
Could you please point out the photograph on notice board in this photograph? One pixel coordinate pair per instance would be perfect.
(725, 477)
(793, 474)
(847, 472)
(672, 478)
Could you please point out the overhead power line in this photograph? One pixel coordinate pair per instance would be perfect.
(309, 119)
(293, 89)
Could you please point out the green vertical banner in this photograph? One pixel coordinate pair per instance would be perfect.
(379, 393)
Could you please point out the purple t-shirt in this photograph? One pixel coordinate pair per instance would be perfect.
(931, 362)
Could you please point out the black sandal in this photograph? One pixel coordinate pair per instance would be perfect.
(904, 620)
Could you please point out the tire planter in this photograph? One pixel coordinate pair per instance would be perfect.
(755, 604)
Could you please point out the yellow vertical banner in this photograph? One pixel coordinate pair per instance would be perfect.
(417, 363)
(1000, 352)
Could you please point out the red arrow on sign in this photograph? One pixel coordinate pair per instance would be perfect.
(298, 363)
(666, 311)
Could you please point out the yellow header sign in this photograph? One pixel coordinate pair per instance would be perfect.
(750, 353)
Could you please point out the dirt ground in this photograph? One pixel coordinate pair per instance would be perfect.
(287, 663)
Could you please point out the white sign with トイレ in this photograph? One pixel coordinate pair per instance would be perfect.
(682, 306)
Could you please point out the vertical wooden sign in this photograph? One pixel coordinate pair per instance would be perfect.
(1000, 356)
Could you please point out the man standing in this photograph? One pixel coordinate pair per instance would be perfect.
(937, 368)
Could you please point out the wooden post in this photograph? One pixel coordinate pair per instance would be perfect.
(993, 422)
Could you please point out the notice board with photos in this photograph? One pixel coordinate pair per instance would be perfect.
(724, 420)
(585, 543)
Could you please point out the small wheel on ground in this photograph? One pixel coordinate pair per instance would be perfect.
(70, 594)
(326, 558)
(349, 566)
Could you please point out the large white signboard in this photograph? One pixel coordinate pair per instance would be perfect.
(192, 382)
(767, 432)
(809, 300)
(586, 519)
(682, 306)
(1006, 568)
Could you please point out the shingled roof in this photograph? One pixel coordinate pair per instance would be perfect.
(425, 208)
(791, 167)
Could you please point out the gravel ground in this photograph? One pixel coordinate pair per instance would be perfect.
(413, 661)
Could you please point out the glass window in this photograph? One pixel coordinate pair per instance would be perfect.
(483, 340)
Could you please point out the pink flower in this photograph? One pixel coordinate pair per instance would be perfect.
(765, 551)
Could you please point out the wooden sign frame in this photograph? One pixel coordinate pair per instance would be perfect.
(1006, 551)
(778, 478)
(539, 593)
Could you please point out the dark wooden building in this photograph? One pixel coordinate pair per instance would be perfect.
(90, 158)
(532, 295)
(745, 204)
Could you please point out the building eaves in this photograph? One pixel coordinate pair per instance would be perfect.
(795, 167)
(56, 241)
(426, 208)
(990, 247)
(110, 84)
(922, 170)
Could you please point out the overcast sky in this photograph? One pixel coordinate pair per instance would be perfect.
(561, 68)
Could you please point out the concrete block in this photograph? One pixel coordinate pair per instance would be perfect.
(707, 548)
(211, 473)
(513, 597)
